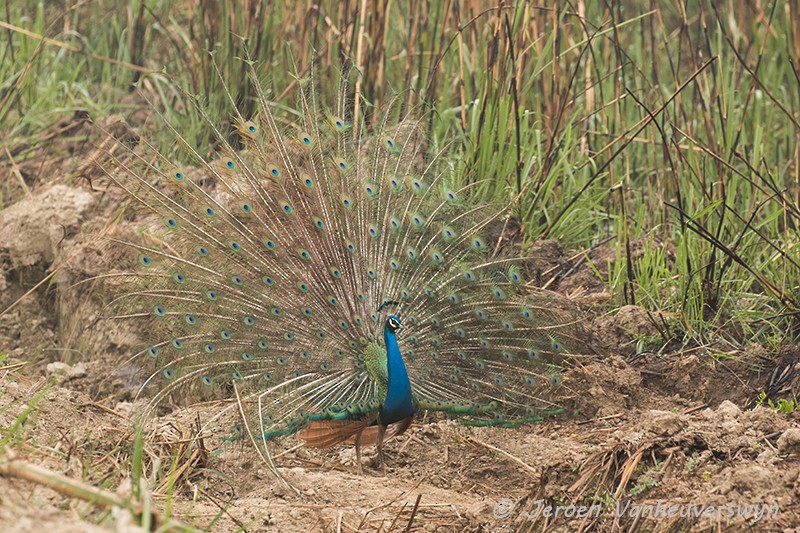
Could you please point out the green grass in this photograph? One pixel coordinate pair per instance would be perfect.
(675, 125)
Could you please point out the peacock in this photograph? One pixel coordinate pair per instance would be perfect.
(332, 278)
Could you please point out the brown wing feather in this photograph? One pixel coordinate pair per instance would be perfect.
(370, 434)
(329, 433)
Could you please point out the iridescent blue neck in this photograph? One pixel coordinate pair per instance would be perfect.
(398, 403)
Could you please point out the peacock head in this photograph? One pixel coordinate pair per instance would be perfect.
(393, 324)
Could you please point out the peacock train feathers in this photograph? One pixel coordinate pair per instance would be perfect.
(331, 279)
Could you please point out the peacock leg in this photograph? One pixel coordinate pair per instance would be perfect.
(381, 431)
(358, 454)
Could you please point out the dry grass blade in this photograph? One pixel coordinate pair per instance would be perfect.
(505, 454)
(74, 49)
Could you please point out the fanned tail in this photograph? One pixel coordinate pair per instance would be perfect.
(275, 261)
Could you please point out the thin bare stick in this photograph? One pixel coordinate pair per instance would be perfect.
(413, 513)
(505, 454)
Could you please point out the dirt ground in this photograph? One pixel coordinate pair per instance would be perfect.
(678, 428)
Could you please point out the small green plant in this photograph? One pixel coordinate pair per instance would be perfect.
(781, 406)
(643, 484)
(16, 433)
(691, 464)
(604, 499)
(648, 480)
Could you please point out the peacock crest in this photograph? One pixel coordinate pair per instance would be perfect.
(310, 270)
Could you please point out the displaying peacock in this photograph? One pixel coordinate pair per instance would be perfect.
(332, 280)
